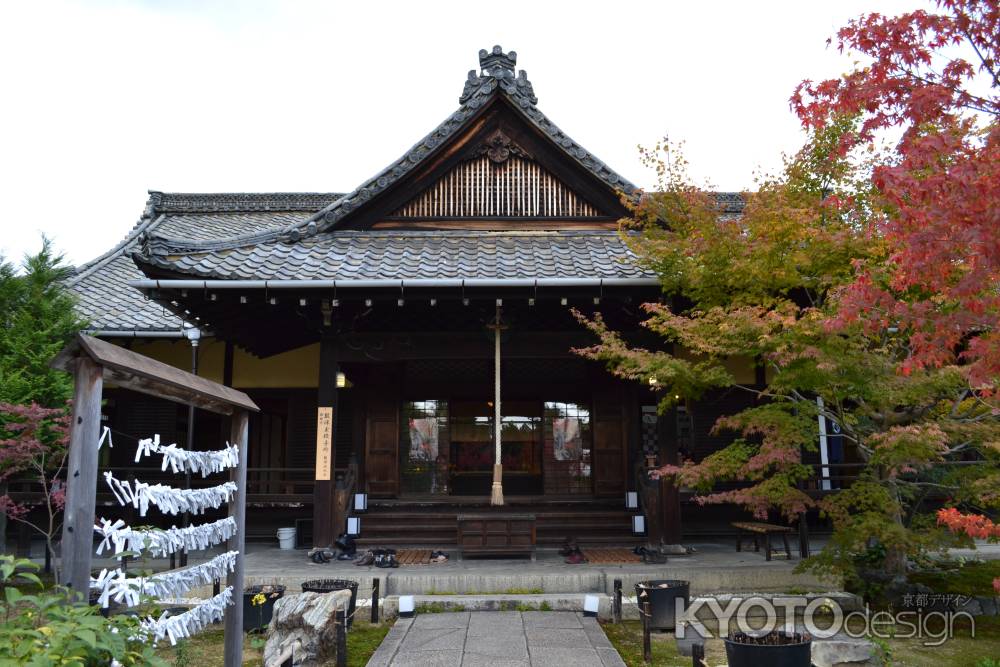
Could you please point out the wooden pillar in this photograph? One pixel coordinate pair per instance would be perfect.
(81, 476)
(238, 510)
(324, 530)
(669, 496)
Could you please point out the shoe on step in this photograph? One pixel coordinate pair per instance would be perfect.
(576, 558)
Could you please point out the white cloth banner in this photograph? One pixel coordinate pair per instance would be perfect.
(118, 537)
(189, 622)
(169, 499)
(116, 585)
(181, 460)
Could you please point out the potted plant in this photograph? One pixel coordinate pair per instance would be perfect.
(662, 596)
(258, 605)
(330, 585)
(775, 649)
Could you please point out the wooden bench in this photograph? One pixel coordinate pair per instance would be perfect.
(496, 534)
(756, 529)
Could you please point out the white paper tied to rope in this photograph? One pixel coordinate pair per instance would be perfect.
(115, 585)
(167, 498)
(182, 460)
(190, 622)
(117, 537)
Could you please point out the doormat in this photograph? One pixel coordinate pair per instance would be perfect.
(413, 556)
(610, 556)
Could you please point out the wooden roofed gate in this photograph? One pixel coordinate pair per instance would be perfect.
(92, 362)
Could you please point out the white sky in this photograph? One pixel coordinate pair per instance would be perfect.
(101, 101)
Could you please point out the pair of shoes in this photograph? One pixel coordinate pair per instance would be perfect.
(320, 557)
(576, 557)
(347, 556)
(651, 556)
(367, 558)
(385, 560)
(345, 542)
(568, 547)
(439, 557)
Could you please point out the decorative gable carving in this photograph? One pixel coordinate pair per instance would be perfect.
(498, 180)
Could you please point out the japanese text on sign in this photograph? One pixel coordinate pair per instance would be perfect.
(324, 442)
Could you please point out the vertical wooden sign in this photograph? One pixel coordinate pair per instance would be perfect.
(324, 442)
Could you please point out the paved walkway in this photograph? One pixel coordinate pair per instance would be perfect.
(497, 639)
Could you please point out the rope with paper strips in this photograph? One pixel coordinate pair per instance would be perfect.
(182, 460)
(119, 538)
(115, 585)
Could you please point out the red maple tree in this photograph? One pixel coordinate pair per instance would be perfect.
(33, 446)
(934, 77)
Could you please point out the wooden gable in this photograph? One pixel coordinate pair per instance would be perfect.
(499, 173)
(498, 180)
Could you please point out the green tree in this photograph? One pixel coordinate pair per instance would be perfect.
(37, 319)
(766, 286)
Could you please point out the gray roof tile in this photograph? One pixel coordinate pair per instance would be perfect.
(348, 255)
(104, 297)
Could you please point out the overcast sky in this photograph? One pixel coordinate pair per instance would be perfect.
(102, 101)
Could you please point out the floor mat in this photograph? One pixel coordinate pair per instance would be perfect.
(413, 556)
(610, 556)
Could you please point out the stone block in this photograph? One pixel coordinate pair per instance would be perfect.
(843, 652)
(545, 619)
(563, 657)
(568, 637)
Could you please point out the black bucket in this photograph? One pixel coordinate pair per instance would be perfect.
(258, 616)
(662, 595)
(330, 585)
(796, 653)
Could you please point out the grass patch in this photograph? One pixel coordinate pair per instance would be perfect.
(960, 651)
(974, 578)
(205, 649)
(437, 608)
(506, 591)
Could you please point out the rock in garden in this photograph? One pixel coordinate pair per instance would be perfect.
(844, 652)
(306, 625)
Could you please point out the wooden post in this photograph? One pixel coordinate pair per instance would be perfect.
(803, 536)
(698, 655)
(341, 620)
(616, 608)
(81, 476)
(375, 594)
(669, 493)
(237, 509)
(323, 516)
(647, 650)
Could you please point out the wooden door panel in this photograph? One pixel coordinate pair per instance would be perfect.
(610, 455)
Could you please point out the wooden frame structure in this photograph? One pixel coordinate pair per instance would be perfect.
(92, 361)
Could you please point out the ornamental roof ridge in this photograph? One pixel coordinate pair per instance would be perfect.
(496, 77)
(233, 202)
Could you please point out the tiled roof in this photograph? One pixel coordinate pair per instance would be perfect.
(369, 255)
(496, 77)
(104, 297)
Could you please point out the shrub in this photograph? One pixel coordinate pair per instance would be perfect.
(52, 628)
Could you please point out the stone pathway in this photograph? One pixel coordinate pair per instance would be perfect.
(497, 639)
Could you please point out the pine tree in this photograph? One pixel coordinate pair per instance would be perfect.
(37, 319)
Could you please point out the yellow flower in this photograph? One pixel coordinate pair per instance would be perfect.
(258, 599)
